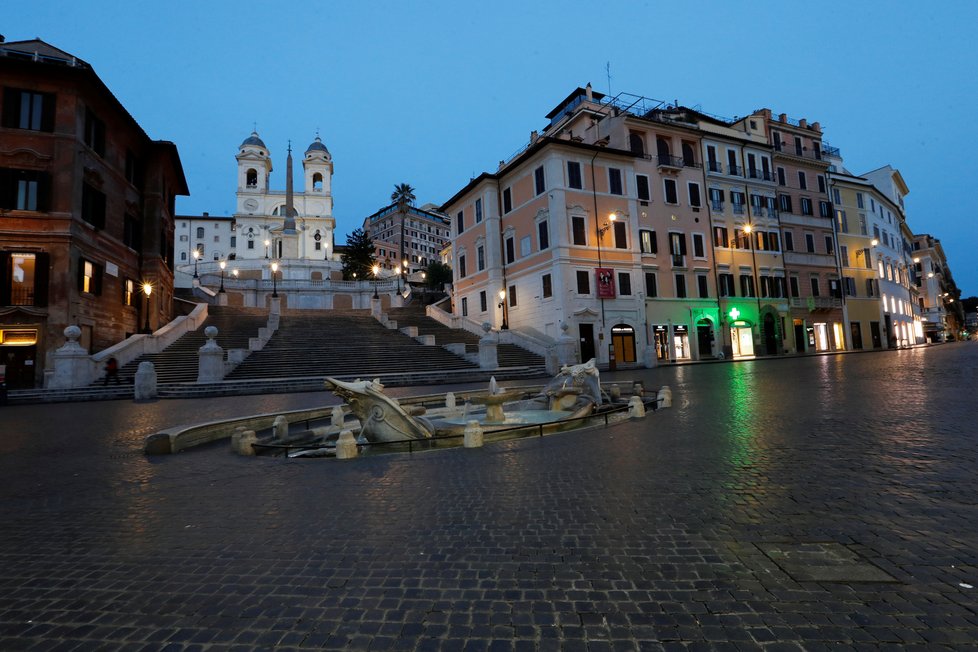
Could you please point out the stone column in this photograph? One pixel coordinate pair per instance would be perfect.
(566, 349)
(488, 358)
(375, 308)
(210, 365)
(73, 366)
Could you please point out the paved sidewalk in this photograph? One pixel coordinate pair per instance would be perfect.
(817, 503)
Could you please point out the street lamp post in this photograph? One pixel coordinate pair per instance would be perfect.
(376, 270)
(502, 304)
(196, 255)
(748, 229)
(147, 290)
(274, 286)
(223, 264)
(267, 243)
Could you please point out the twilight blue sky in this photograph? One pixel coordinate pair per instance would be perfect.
(432, 93)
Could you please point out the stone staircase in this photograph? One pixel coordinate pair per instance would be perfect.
(342, 343)
(178, 362)
(509, 355)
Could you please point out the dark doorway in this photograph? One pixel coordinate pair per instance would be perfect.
(587, 341)
(856, 332)
(800, 337)
(770, 334)
(704, 338)
(874, 331)
(888, 326)
(19, 362)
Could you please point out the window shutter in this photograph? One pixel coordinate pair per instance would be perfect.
(43, 191)
(682, 244)
(655, 245)
(98, 280)
(47, 112)
(42, 262)
(81, 274)
(6, 273)
(11, 107)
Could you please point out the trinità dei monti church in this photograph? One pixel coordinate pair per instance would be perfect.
(284, 225)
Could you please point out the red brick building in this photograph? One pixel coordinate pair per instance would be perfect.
(86, 212)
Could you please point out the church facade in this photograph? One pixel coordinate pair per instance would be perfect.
(283, 224)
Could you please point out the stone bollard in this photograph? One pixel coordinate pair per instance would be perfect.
(637, 389)
(246, 441)
(614, 392)
(145, 382)
(280, 428)
(566, 347)
(636, 409)
(450, 402)
(488, 344)
(236, 438)
(72, 364)
(472, 437)
(210, 359)
(664, 397)
(346, 446)
(336, 416)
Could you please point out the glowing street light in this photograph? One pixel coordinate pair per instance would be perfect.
(147, 290)
(196, 255)
(223, 264)
(274, 286)
(376, 270)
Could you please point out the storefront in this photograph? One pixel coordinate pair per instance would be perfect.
(18, 355)
(671, 341)
(742, 338)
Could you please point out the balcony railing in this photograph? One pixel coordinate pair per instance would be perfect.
(678, 260)
(738, 209)
(714, 166)
(665, 160)
(816, 302)
(764, 175)
(804, 152)
(717, 206)
(735, 170)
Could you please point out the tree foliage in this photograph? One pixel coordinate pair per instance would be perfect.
(403, 194)
(437, 274)
(358, 259)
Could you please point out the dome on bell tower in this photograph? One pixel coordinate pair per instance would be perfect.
(317, 149)
(253, 141)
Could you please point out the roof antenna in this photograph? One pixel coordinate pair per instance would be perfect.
(607, 70)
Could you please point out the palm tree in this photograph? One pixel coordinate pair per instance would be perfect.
(403, 194)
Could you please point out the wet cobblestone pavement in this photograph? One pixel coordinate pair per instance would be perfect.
(814, 503)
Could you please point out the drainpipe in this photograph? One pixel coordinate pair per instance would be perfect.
(846, 329)
(597, 233)
(751, 239)
(502, 257)
(723, 332)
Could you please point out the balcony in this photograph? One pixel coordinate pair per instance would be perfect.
(738, 209)
(816, 303)
(787, 149)
(667, 161)
(714, 166)
(760, 175)
(678, 260)
(716, 206)
(735, 170)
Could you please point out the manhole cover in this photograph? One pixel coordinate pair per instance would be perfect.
(823, 562)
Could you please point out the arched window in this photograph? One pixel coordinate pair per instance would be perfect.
(636, 144)
(251, 177)
(689, 158)
(317, 182)
(662, 148)
(200, 232)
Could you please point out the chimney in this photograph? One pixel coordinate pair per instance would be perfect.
(782, 117)
(206, 214)
(817, 127)
(2, 38)
(587, 92)
(803, 123)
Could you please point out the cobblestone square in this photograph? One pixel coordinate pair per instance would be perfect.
(702, 527)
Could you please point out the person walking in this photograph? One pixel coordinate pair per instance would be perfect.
(112, 371)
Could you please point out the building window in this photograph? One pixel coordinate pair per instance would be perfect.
(772, 241)
(465, 306)
(681, 286)
(461, 266)
(583, 282)
(716, 199)
(574, 175)
(478, 210)
(844, 255)
(251, 178)
(781, 177)
(642, 188)
(699, 251)
(89, 277)
(726, 282)
(23, 190)
(24, 109)
(651, 287)
(525, 246)
(859, 200)
(821, 183)
(703, 286)
(806, 206)
(543, 235)
(814, 281)
(460, 222)
(843, 221)
(635, 144)
(510, 250)
(94, 135)
(669, 191)
(720, 237)
(694, 195)
(785, 201)
(512, 296)
(747, 285)
(624, 283)
(132, 232)
(677, 248)
(828, 244)
(789, 241)
(507, 200)
(547, 283)
(621, 230)
(480, 258)
(614, 181)
(802, 180)
(93, 206)
(824, 209)
(579, 232)
(23, 279)
(810, 243)
(647, 242)
(317, 182)
(539, 183)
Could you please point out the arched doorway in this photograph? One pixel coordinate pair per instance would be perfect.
(704, 338)
(623, 339)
